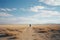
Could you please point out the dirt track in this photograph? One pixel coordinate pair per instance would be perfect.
(27, 34)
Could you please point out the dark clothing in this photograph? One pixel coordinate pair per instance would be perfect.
(30, 25)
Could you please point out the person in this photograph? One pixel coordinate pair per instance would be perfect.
(29, 25)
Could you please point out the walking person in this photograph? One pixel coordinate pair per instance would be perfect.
(29, 25)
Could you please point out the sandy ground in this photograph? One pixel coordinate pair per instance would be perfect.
(27, 34)
(24, 32)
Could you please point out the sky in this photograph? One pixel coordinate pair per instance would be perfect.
(29, 11)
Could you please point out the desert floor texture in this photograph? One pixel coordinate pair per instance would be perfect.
(25, 32)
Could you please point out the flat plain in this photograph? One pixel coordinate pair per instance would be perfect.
(25, 32)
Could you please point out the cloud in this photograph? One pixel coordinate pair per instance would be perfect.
(36, 8)
(33, 9)
(43, 17)
(8, 20)
(30, 20)
(44, 14)
(2, 9)
(51, 2)
(19, 20)
(27, 20)
(5, 14)
(11, 9)
(40, 17)
(8, 9)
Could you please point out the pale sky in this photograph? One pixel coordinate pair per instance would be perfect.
(29, 11)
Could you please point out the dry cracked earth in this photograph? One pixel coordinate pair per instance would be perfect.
(25, 32)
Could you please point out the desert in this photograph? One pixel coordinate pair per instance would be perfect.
(25, 32)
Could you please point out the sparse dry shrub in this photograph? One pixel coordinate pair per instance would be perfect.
(40, 30)
(55, 36)
(13, 37)
(17, 30)
(11, 33)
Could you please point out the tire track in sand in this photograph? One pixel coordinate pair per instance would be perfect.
(27, 34)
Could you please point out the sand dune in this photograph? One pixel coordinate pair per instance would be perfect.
(35, 32)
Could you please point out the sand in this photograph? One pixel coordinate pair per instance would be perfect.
(35, 32)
